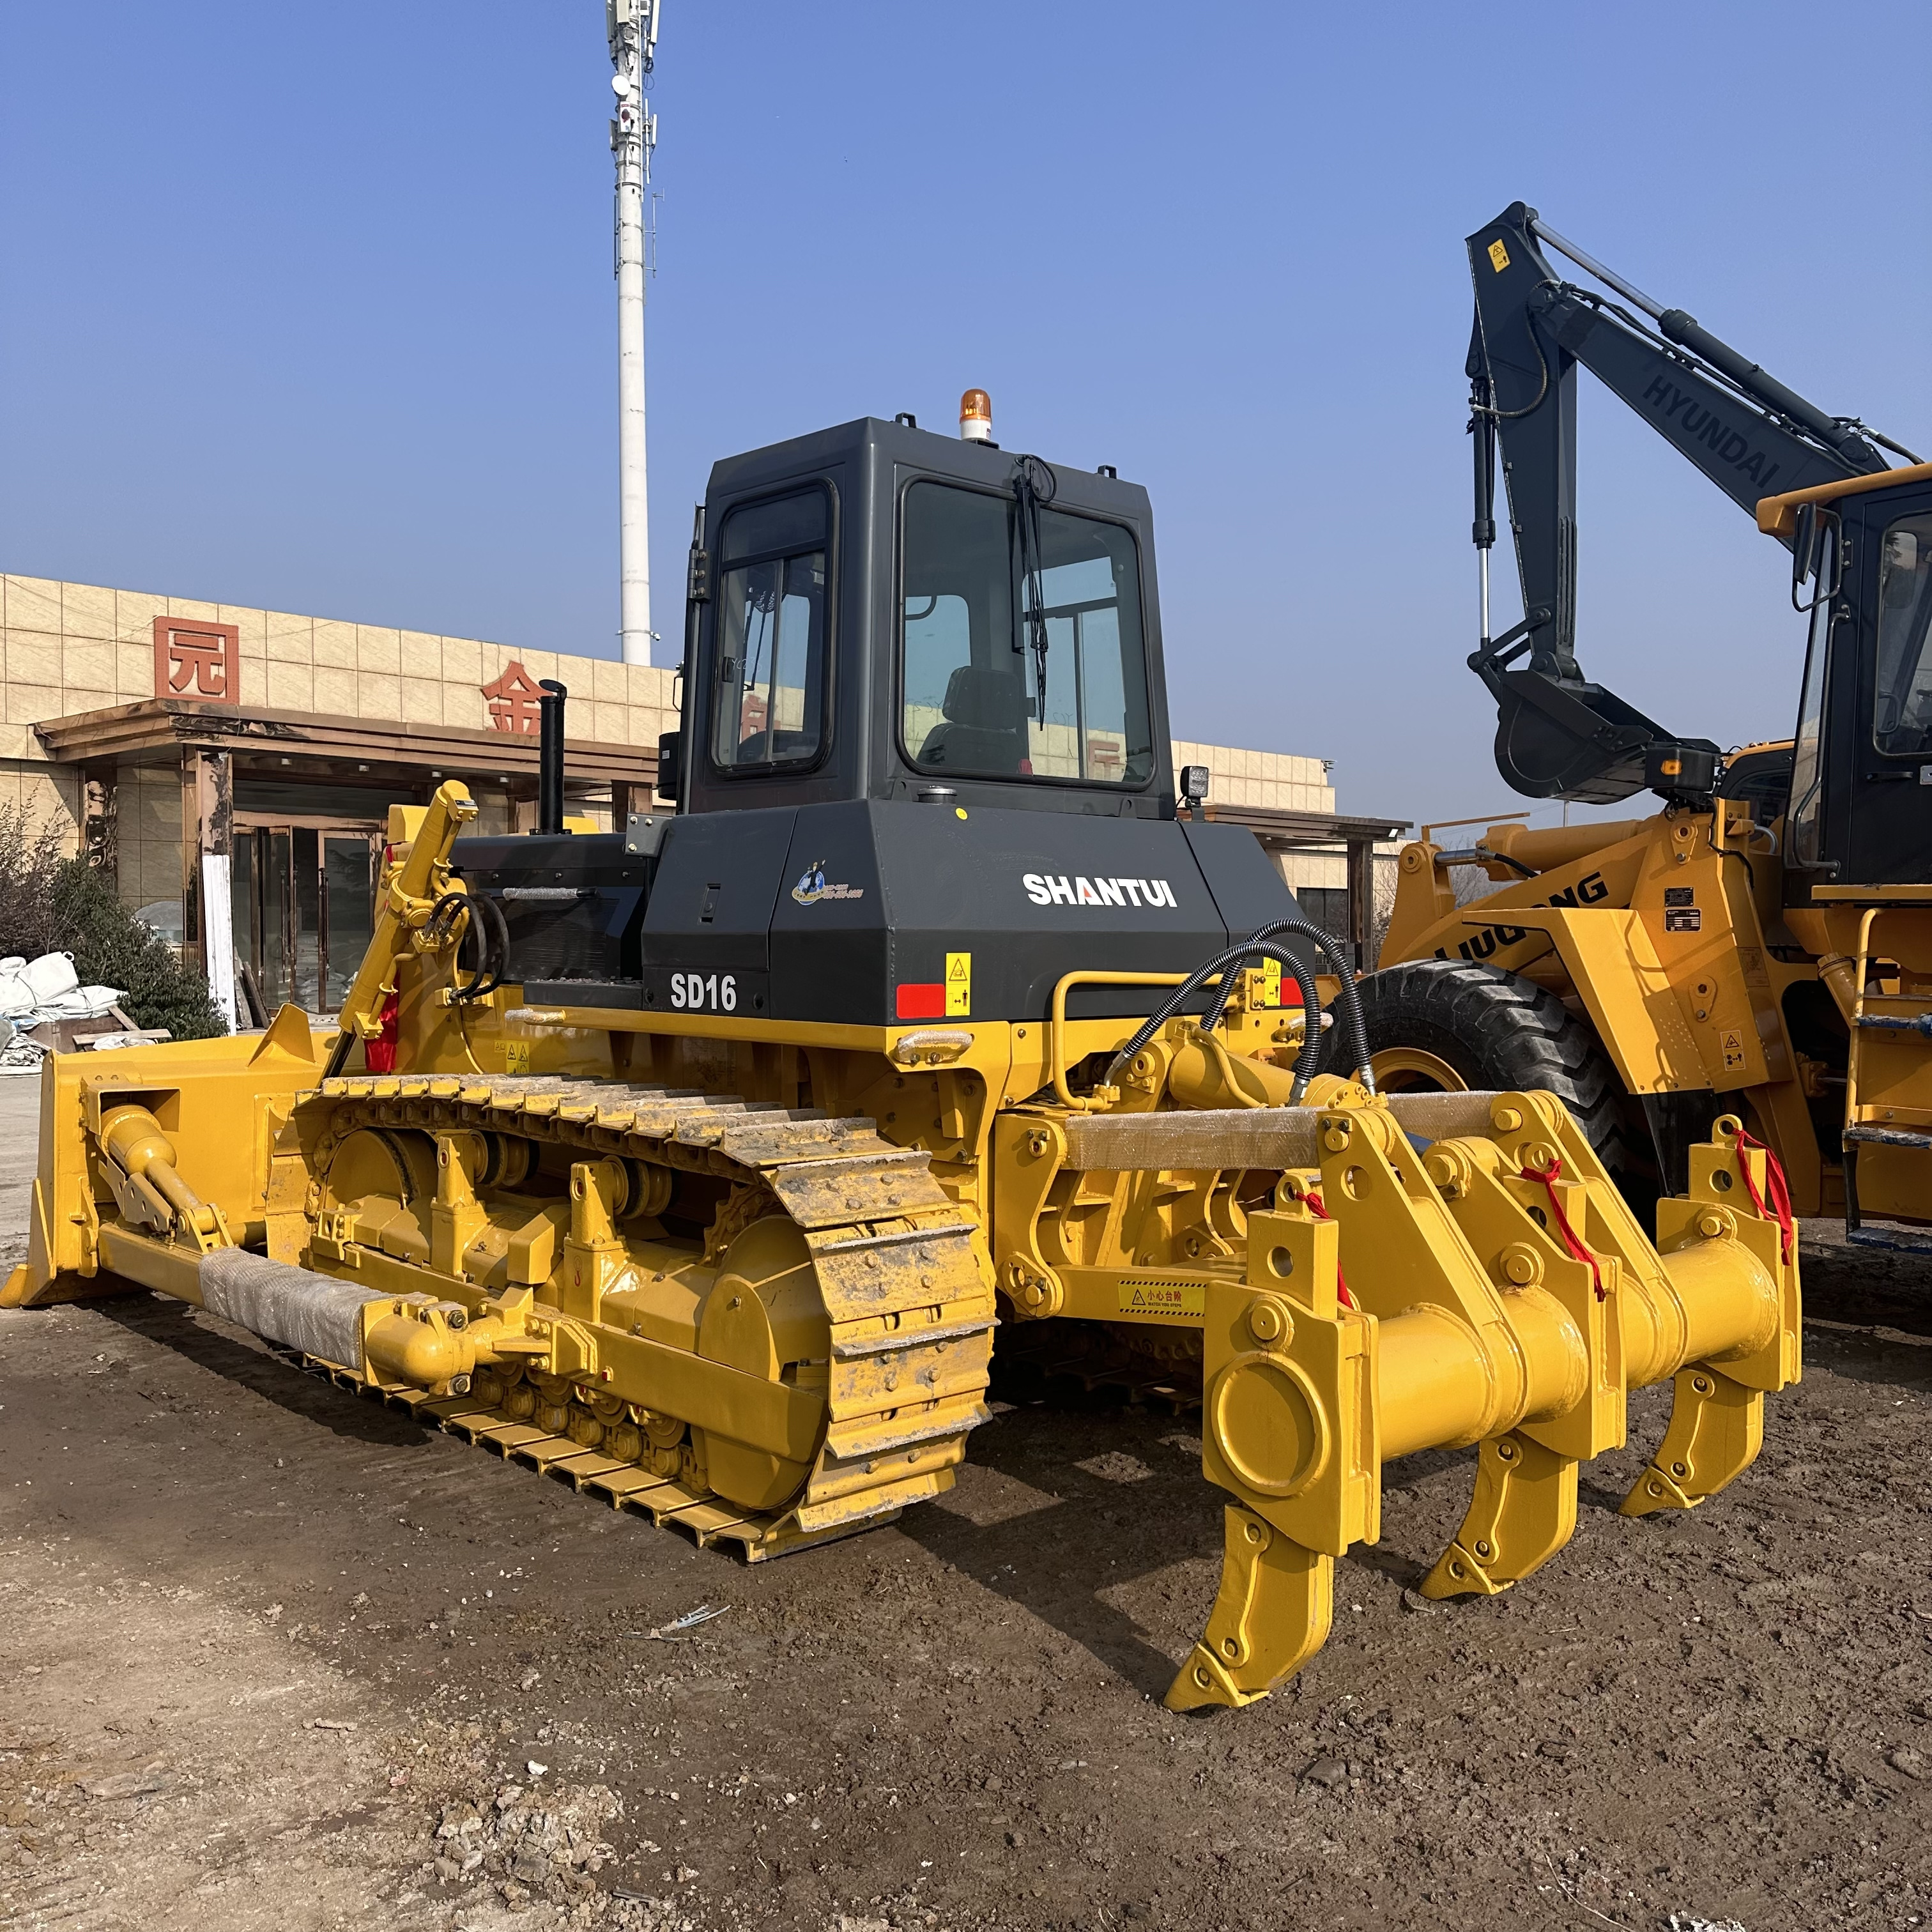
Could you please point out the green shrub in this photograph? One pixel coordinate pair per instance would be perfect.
(111, 947)
(31, 858)
(51, 903)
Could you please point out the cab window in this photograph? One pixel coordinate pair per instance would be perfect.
(1019, 662)
(1902, 719)
(1803, 814)
(768, 681)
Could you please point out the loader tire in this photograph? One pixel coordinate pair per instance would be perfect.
(1439, 1023)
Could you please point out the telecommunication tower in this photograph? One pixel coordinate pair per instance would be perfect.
(632, 28)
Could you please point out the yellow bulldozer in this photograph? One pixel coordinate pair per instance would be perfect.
(1763, 946)
(695, 1162)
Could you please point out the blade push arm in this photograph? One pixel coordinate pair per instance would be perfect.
(410, 889)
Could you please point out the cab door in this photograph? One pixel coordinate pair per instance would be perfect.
(1877, 819)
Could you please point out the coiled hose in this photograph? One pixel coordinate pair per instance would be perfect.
(1264, 944)
(492, 946)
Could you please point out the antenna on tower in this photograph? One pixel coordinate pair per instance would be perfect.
(631, 27)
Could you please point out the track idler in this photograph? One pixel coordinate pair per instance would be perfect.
(1498, 1293)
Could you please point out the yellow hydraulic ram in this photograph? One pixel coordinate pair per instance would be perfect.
(171, 1240)
(1498, 1292)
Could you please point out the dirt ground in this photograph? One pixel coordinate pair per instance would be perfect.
(275, 1658)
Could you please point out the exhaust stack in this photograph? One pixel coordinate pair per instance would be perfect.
(550, 755)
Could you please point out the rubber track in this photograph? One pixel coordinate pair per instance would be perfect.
(911, 1312)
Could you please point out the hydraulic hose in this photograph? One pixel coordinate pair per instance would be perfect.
(493, 941)
(1264, 944)
(1223, 963)
(1349, 1001)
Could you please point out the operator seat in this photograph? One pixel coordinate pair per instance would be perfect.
(984, 721)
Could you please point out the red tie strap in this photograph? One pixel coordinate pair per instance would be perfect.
(1549, 1176)
(1313, 1198)
(1779, 1191)
(379, 1051)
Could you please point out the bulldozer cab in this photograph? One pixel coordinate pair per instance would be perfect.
(922, 770)
(881, 613)
(1861, 804)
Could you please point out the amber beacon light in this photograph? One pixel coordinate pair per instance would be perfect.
(976, 416)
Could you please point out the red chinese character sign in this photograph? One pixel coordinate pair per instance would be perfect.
(197, 661)
(513, 701)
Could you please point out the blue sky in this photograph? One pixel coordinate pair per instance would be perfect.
(312, 308)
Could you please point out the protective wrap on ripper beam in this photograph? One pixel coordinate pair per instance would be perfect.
(1254, 1137)
(311, 1313)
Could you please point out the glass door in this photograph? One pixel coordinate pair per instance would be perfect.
(274, 945)
(304, 909)
(241, 920)
(349, 862)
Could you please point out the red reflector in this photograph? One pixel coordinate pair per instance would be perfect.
(922, 1002)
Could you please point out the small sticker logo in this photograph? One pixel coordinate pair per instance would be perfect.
(1271, 986)
(811, 886)
(1498, 255)
(959, 986)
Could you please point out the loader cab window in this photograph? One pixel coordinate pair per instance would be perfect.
(1803, 816)
(1013, 672)
(769, 653)
(1902, 719)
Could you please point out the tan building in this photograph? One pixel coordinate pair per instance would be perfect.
(155, 731)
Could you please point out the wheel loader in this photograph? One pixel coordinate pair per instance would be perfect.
(1762, 945)
(696, 1162)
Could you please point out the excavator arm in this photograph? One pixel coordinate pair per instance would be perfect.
(1558, 734)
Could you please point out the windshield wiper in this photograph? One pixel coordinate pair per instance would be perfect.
(1034, 487)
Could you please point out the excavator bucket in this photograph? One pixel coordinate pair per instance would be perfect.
(1572, 741)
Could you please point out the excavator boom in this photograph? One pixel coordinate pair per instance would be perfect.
(1559, 735)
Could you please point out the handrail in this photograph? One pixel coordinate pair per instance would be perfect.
(1071, 1101)
(1852, 1102)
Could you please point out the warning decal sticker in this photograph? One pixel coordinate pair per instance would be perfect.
(1162, 1299)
